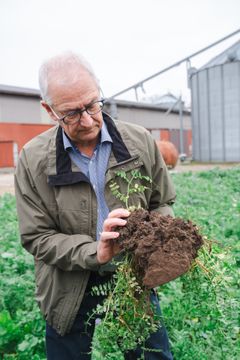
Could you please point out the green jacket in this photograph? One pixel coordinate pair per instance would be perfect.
(57, 211)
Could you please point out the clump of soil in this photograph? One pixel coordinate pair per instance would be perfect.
(163, 247)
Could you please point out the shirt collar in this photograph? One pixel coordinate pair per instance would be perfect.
(105, 137)
(66, 141)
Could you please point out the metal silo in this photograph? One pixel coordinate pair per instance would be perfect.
(215, 90)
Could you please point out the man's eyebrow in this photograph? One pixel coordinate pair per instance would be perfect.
(70, 110)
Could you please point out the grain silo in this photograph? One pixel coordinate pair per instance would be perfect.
(215, 90)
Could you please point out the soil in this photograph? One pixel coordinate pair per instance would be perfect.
(163, 247)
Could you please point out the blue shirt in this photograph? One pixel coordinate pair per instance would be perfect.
(95, 169)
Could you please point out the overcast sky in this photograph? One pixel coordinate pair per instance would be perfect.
(124, 40)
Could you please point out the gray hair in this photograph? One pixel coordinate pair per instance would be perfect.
(63, 64)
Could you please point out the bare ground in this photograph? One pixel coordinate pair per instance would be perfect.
(191, 166)
(6, 181)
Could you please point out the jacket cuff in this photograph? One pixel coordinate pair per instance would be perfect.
(165, 210)
(90, 257)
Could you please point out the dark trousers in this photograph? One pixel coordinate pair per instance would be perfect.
(76, 345)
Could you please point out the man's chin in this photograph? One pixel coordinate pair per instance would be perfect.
(88, 136)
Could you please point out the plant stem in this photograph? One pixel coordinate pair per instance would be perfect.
(128, 190)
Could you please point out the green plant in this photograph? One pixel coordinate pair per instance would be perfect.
(133, 186)
(128, 316)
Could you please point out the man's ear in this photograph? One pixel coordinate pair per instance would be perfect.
(49, 110)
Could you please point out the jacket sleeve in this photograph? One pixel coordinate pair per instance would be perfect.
(39, 233)
(163, 192)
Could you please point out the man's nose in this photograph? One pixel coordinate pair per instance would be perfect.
(86, 119)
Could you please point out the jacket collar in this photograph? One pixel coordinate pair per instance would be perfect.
(64, 173)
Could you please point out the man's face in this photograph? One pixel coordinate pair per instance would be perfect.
(77, 96)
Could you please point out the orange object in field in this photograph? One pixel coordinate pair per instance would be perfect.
(169, 152)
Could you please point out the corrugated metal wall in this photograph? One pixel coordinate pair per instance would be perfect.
(216, 113)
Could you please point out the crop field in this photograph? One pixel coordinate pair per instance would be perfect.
(201, 309)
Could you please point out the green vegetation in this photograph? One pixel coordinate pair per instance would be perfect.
(202, 317)
(21, 325)
(128, 318)
(132, 187)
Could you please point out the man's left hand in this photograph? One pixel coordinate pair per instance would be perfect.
(107, 248)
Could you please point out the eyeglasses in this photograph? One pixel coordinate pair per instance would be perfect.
(74, 116)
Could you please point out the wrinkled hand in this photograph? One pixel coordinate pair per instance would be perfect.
(107, 249)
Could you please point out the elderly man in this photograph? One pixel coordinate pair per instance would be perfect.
(67, 213)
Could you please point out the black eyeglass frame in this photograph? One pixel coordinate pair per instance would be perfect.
(80, 112)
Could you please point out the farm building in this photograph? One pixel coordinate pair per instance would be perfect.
(22, 117)
(215, 90)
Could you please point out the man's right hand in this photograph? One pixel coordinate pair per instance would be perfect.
(107, 248)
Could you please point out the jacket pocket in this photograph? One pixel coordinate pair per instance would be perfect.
(74, 221)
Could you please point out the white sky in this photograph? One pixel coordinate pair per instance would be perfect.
(124, 40)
